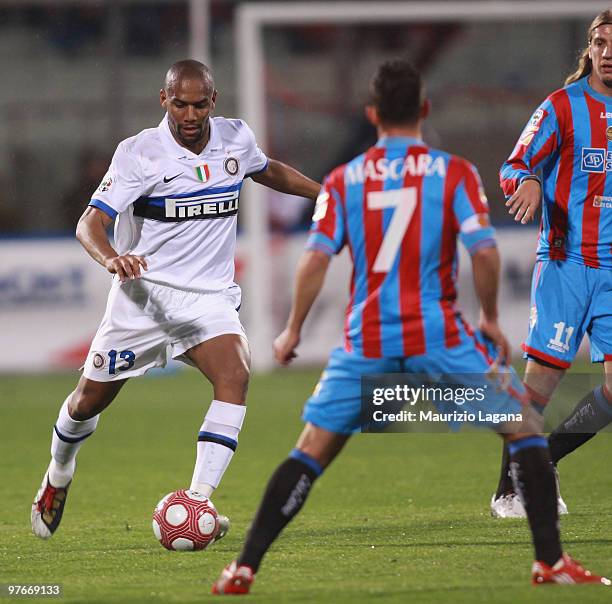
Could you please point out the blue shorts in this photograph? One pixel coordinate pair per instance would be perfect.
(335, 404)
(568, 300)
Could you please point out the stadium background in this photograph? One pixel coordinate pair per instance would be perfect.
(84, 75)
(77, 77)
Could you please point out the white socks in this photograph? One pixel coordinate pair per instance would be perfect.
(68, 436)
(217, 442)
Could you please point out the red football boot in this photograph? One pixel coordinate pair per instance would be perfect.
(565, 572)
(234, 580)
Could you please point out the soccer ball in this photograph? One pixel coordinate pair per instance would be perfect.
(185, 520)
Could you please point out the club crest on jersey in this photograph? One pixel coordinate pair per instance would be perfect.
(202, 172)
(609, 133)
(231, 165)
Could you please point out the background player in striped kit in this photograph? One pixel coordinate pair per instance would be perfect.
(173, 192)
(400, 209)
(564, 159)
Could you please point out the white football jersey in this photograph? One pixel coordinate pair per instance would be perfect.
(178, 209)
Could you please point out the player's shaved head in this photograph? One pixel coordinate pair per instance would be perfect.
(189, 97)
(188, 69)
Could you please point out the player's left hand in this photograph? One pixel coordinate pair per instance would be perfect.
(285, 345)
(525, 201)
(491, 330)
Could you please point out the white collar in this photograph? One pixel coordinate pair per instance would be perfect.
(178, 151)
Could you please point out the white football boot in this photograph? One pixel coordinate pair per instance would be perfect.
(511, 506)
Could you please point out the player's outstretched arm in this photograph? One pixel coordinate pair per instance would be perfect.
(284, 178)
(91, 233)
(486, 268)
(525, 201)
(309, 279)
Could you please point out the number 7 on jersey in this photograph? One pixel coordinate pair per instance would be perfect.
(404, 201)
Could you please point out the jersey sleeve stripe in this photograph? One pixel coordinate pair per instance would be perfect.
(545, 150)
(528, 152)
(97, 203)
(482, 244)
(318, 241)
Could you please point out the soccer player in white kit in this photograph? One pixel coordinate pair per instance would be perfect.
(173, 193)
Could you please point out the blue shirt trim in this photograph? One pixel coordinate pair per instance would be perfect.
(96, 203)
(258, 171)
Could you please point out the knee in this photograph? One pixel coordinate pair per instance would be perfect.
(237, 376)
(231, 384)
(84, 404)
(79, 407)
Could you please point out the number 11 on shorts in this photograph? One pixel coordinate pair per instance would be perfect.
(560, 327)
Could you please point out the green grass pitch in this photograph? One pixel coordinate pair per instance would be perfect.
(397, 518)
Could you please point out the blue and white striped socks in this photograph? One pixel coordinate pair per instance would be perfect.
(68, 436)
(217, 441)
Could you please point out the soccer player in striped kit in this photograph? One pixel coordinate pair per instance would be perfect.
(173, 193)
(563, 160)
(400, 208)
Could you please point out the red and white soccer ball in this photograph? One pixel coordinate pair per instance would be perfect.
(185, 520)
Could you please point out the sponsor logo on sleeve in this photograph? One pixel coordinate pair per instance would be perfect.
(321, 206)
(532, 127)
(106, 184)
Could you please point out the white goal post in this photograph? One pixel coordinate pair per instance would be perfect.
(250, 21)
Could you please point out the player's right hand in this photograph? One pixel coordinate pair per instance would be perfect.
(491, 330)
(525, 201)
(285, 345)
(126, 267)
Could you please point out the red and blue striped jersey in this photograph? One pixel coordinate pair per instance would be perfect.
(399, 208)
(569, 141)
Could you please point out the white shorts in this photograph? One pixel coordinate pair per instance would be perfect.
(145, 324)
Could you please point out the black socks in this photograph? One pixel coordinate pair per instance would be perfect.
(534, 481)
(284, 497)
